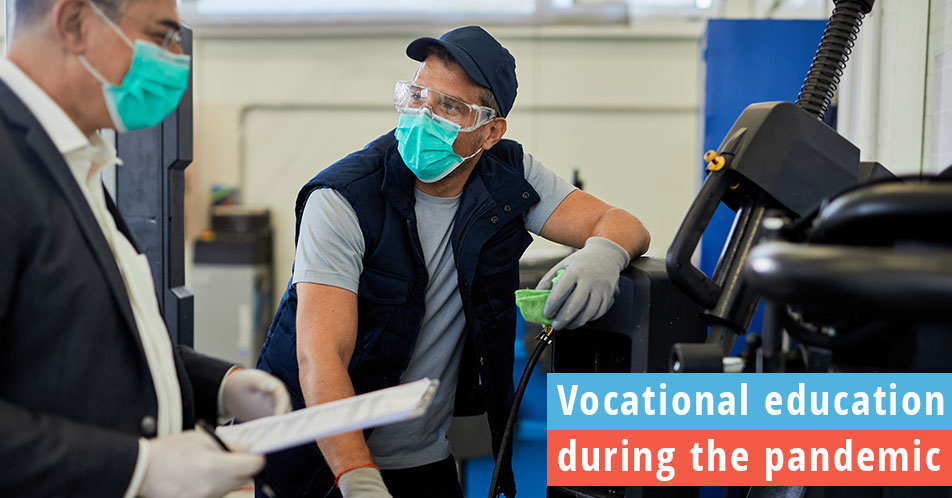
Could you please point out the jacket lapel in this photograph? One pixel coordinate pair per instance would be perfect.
(51, 159)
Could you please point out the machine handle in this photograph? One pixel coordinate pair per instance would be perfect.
(681, 271)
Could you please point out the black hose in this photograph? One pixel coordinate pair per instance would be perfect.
(545, 338)
(818, 89)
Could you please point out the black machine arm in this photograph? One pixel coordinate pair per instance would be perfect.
(871, 280)
(777, 157)
(691, 280)
(910, 279)
(887, 213)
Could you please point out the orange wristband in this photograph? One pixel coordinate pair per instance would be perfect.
(337, 478)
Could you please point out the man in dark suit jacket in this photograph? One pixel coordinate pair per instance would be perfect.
(94, 399)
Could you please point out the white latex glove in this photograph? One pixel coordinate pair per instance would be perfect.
(364, 482)
(587, 288)
(192, 465)
(250, 394)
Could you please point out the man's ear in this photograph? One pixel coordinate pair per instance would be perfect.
(497, 128)
(71, 23)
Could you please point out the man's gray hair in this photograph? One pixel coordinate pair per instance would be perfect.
(28, 12)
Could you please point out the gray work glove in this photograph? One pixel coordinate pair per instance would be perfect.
(587, 288)
(192, 465)
(363, 482)
(252, 394)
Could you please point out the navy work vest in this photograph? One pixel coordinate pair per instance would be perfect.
(489, 236)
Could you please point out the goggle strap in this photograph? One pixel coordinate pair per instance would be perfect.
(111, 24)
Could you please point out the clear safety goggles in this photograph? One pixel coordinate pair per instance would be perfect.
(172, 37)
(412, 98)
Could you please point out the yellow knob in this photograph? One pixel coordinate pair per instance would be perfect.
(710, 155)
(716, 164)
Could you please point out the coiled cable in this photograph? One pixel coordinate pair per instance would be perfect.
(818, 89)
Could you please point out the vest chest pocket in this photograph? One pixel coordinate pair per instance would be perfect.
(503, 250)
(383, 287)
(498, 270)
(380, 294)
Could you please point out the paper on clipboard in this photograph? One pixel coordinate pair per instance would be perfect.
(386, 406)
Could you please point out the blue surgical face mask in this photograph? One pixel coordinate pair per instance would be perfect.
(152, 88)
(425, 143)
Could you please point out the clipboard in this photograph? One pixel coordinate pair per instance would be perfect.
(386, 406)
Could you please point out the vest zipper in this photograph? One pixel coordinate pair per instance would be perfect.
(418, 254)
(480, 210)
(415, 238)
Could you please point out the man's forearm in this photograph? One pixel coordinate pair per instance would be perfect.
(624, 229)
(581, 216)
(326, 379)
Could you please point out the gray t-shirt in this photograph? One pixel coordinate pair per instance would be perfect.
(330, 252)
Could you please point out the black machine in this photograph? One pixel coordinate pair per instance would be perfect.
(853, 263)
(778, 158)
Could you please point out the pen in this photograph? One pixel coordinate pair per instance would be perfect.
(205, 426)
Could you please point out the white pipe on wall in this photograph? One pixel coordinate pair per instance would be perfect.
(858, 96)
(6, 14)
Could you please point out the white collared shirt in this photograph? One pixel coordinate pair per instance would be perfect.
(87, 157)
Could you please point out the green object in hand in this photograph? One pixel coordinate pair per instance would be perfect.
(531, 303)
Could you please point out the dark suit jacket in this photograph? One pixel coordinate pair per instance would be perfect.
(75, 388)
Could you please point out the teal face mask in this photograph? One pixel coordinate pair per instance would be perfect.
(152, 88)
(425, 143)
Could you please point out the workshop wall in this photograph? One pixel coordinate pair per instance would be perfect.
(620, 104)
(884, 101)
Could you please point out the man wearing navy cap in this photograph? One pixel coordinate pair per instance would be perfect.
(407, 260)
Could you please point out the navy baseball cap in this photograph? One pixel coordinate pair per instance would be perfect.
(482, 57)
